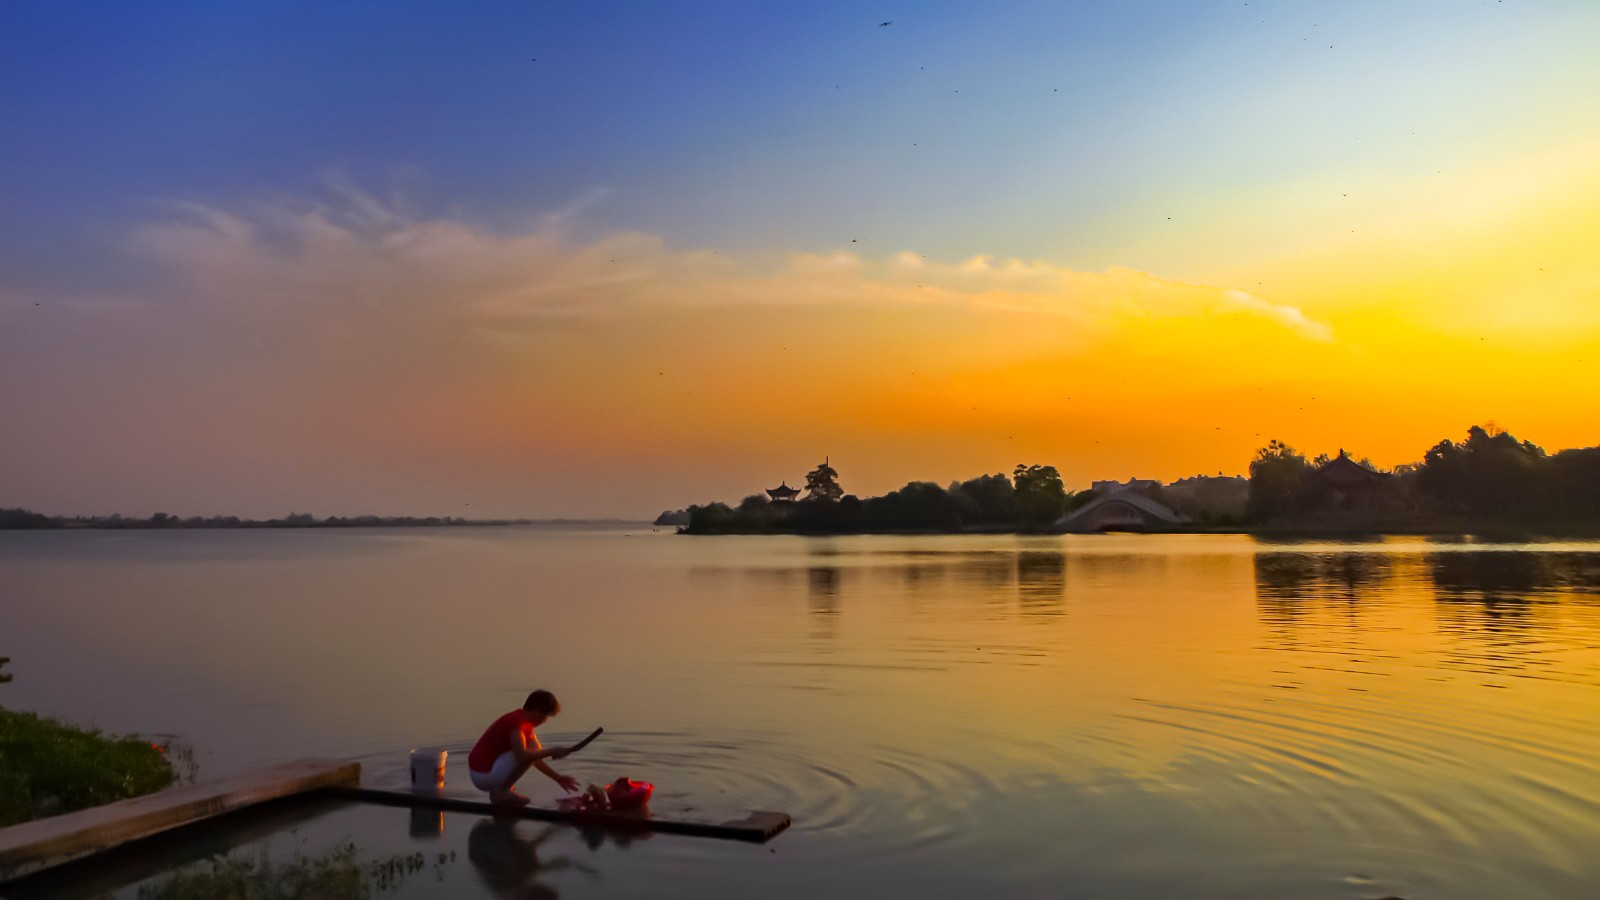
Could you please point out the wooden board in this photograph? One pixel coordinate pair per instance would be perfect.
(33, 846)
(105, 873)
(758, 826)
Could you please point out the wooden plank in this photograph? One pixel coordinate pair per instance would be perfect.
(755, 825)
(104, 874)
(40, 844)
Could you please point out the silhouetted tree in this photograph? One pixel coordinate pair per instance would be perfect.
(1208, 498)
(3, 676)
(1572, 483)
(920, 504)
(1488, 474)
(22, 518)
(1040, 495)
(710, 518)
(755, 513)
(987, 499)
(1277, 478)
(822, 484)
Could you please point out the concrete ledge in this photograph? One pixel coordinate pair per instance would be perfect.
(37, 845)
(757, 826)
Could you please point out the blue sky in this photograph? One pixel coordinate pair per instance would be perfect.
(1067, 130)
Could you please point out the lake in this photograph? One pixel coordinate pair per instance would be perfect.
(1210, 716)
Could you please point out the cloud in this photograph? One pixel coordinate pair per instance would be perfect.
(349, 347)
(353, 252)
(1287, 316)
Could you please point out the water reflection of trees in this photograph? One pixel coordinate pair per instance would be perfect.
(822, 587)
(1284, 580)
(1505, 600)
(992, 570)
(1292, 589)
(1495, 607)
(1502, 575)
(1041, 581)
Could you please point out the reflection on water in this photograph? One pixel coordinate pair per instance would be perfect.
(506, 857)
(1288, 578)
(1111, 716)
(1041, 581)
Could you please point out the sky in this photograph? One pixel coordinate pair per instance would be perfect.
(557, 259)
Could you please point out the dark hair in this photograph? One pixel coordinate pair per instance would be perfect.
(542, 702)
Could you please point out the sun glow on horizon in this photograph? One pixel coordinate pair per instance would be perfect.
(358, 326)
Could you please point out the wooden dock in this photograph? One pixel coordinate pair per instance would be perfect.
(34, 846)
(757, 826)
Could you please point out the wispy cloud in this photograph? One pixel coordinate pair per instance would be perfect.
(381, 349)
(350, 250)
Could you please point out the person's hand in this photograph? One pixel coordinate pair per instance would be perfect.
(567, 782)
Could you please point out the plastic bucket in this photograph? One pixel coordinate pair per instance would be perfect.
(427, 767)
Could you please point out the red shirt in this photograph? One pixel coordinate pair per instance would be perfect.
(497, 740)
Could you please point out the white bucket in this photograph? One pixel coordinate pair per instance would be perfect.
(427, 767)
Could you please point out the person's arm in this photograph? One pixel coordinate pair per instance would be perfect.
(537, 755)
(567, 782)
(523, 752)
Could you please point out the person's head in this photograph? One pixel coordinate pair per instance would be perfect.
(541, 705)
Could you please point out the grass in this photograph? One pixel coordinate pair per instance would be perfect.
(48, 767)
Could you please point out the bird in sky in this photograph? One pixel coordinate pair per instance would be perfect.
(884, 24)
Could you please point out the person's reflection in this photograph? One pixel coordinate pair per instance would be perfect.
(597, 836)
(509, 863)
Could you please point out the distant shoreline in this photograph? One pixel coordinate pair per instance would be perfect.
(1303, 530)
(25, 520)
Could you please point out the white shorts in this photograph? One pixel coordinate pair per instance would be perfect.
(499, 774)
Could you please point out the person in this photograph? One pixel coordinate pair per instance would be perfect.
(508, 748)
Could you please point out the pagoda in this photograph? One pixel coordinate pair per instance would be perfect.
(1342, 484)
(783, 493)
(1343, 473)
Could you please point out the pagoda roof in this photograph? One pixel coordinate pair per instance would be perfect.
(1342, 471)
(783, 490)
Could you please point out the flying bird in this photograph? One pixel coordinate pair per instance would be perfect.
(884, 24)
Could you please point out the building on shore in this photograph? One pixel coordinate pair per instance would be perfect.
(1343, 485)
(1133, 484)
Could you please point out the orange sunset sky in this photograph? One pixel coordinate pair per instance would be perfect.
(657, 266)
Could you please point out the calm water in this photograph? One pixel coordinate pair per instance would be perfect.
(1195, 716)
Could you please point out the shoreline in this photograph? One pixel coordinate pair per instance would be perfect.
(105, 524)
(1511, 531)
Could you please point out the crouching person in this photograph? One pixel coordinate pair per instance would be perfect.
(509, 748)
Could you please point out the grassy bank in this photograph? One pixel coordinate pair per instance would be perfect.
(48, 767)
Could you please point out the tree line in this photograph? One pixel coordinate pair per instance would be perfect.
(1490, 477)
(1031, 498)
(18, 518)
